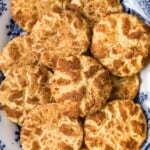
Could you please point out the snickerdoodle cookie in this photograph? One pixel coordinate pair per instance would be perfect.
(27, 13)
(63, 33)
(94, 10)
(82, 82)
(17, 53)
(120, 125)
(124, 88)
(121, 43)
(24, 88)
(48, 127)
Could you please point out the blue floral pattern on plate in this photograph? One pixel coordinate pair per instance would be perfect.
(144, 100)
(1, 76)
(3, 6)
(140, 8)
(145, 5)
(2, 146)
(13, 29)
(9, 132)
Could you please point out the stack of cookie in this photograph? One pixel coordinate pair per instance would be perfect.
(71, 81)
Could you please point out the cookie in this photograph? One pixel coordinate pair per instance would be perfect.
(124, 88)
(94, 10)
(82, 82)
(17, 53)
(120, 125)
(26, 14)
(48, 127)
(65, 33)
(24, 88)
(121, 42)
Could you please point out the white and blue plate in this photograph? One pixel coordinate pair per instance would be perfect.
(10, 132)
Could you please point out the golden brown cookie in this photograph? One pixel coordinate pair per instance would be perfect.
(120, 125)
(27, 13)
(24, 88)
(17, 53)
(65, 33)
(121, 42)
(124, 88)
(94, 10)
(47, 127)
(82, 82)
